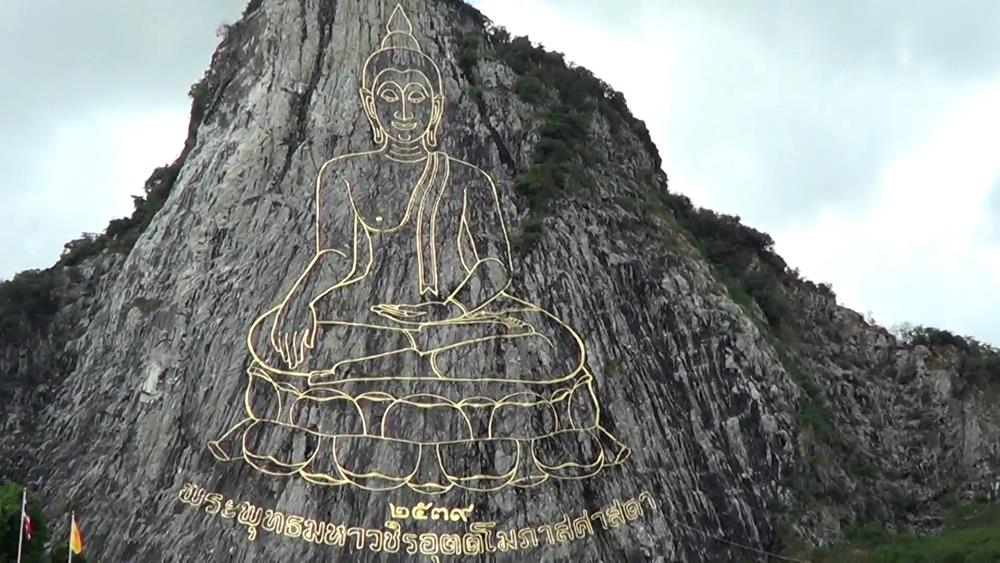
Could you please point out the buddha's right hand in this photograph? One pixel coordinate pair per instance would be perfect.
(294, 331)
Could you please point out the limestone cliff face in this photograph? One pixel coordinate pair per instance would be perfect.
(736, 430)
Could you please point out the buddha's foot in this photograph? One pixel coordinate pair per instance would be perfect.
(230, 446)
(279, 449)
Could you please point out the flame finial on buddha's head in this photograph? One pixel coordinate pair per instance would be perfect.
(400, 30)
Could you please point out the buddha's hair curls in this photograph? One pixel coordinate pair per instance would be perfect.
(402, 59)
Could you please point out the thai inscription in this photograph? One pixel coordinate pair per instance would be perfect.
(479, 538)
(427, 511)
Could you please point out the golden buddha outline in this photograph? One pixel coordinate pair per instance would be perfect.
(323, 402)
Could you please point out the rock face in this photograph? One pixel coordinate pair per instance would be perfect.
(737, 432)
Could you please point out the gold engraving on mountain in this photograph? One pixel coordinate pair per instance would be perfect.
(391, 377)
(477, 538)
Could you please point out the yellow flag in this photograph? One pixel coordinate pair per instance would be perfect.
(75, 538)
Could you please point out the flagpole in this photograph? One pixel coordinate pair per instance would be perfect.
(69, 545)
(20, 535)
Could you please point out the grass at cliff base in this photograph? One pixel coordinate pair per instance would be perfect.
(971, 534)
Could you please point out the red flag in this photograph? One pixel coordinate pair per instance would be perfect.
(29, 526)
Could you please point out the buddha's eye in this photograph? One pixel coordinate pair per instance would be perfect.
(416, 97)
(389, 95)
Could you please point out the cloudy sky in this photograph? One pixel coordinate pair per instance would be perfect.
(864, 136)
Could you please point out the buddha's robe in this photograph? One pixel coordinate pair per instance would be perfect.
(453, 222)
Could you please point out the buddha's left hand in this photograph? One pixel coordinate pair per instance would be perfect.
(421, 313)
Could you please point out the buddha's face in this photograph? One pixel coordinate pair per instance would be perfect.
(403, 104)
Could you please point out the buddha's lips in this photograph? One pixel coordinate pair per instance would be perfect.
(404, 126)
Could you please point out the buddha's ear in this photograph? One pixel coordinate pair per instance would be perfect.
(438, 105)
(368, 103)
(437, 112)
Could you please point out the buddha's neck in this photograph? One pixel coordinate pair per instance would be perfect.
(406, 151)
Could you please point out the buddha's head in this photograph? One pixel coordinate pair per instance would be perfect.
(401, 88)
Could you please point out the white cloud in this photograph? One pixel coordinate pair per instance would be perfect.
(867, 161)
(620, 59)
(94, 97)
(919, 252)
(86, 173)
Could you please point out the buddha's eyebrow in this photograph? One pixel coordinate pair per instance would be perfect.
(419, 76)
(416, 85)
(383, 85)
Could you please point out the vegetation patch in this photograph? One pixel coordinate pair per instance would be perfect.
(568, 98)
(742, 257)
(979, 360)
(971, 533)
(814, 412)
(27, 303)
(557, 168)
(10, 526)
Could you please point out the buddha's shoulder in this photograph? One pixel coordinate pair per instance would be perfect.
(468, 174)
(339, 165)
